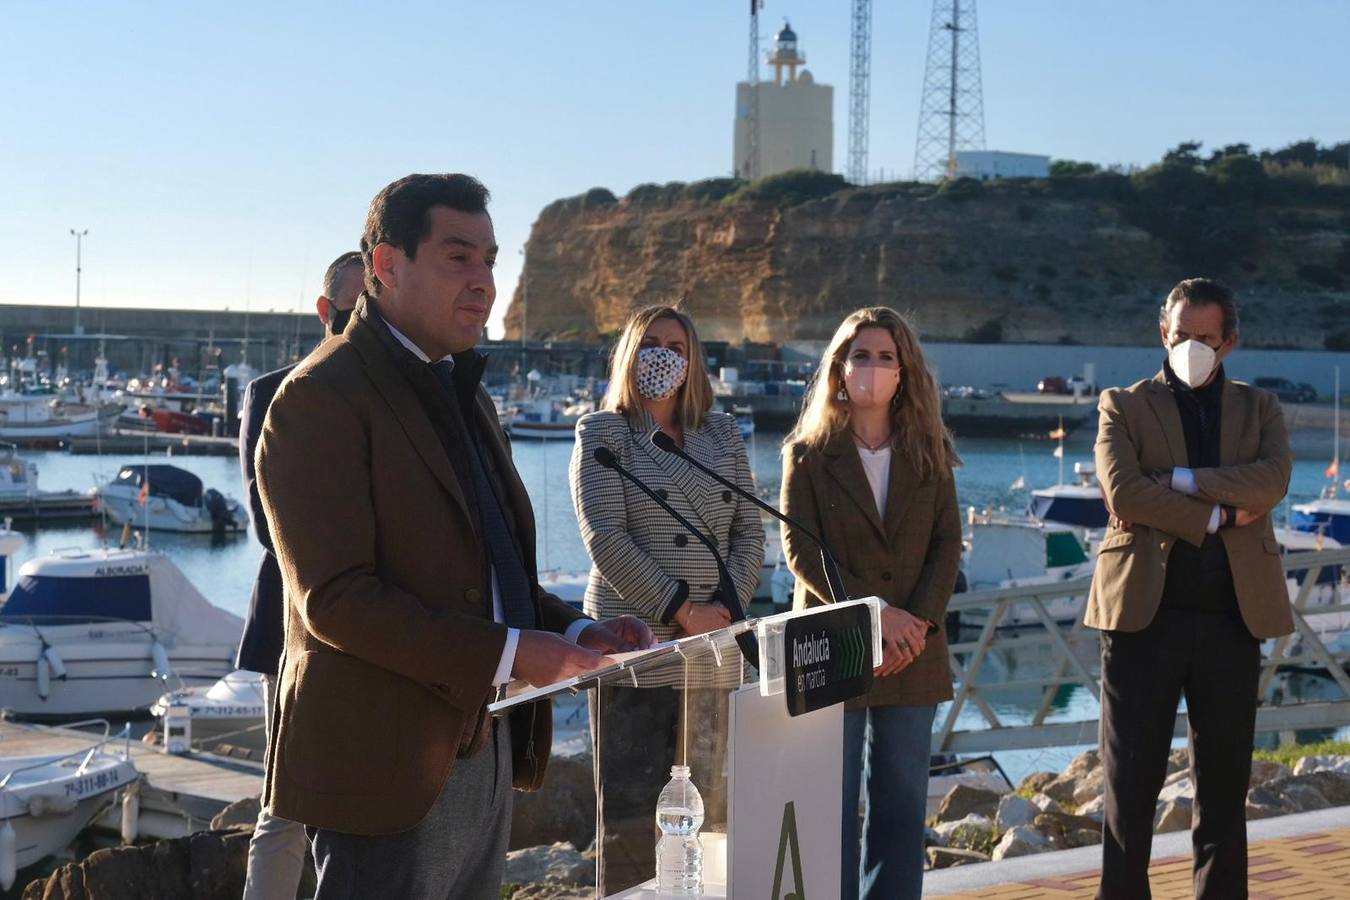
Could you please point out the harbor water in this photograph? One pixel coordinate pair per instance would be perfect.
(223, 568)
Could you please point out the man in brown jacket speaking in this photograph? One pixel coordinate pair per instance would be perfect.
(1188, 581)
(406, 545)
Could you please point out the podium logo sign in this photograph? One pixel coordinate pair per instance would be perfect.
(789, 853)
(829, 658)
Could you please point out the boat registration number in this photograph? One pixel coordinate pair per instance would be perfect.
(91, 784)
(9, 671)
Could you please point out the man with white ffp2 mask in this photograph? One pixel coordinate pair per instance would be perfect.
(1188, 582)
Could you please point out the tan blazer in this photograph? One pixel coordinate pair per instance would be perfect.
(1140, 433)
(389, 653)
(909, 559)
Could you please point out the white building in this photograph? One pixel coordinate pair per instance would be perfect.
(991, 165)
(796, 116)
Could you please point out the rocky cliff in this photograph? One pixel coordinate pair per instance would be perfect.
(1060, 260)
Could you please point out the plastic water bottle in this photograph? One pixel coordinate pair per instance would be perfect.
(679, 852)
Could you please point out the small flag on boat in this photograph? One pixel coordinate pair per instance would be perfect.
(144, 495)
(1334, 469)
(1057, 434)
(1059, 452)
(1018, 484)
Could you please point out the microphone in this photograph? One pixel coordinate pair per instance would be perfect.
(748, 644)
(835, 581)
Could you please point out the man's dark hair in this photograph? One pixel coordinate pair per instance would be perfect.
(400, 214)
(332, 277)
(1203, 291)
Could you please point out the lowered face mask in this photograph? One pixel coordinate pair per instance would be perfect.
(660, 372)
(1192, 361)
(871, 384)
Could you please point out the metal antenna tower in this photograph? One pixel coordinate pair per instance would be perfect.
(859, 89)
(951, 114)
(752, 76)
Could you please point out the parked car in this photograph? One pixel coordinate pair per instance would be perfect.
(1288, 391)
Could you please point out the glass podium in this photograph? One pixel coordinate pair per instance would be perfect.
(763, 747)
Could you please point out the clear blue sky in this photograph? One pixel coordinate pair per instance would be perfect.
(225, 153)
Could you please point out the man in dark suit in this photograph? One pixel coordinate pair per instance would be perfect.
(276, 853)
(407, 551)
(1188, 582)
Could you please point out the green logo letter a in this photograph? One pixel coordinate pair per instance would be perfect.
(787, 843)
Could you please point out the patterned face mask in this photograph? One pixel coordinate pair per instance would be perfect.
(660, 372)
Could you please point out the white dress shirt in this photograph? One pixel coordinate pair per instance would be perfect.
(1183, 481)
(508, 659)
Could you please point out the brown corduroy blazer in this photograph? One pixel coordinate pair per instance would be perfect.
(909, 559)
(1139, 433)
(390, 647)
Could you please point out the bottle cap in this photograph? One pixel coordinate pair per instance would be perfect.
(679, 771)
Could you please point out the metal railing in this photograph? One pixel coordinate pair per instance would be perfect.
(1075, 654)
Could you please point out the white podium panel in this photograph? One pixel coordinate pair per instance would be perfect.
(786, 799)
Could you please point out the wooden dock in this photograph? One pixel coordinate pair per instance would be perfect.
(48, 505)
(180, 793)
(158, 443)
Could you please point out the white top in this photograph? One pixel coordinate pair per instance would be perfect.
(508, 660)
(877, 465)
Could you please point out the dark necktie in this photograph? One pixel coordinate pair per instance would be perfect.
(512, 580)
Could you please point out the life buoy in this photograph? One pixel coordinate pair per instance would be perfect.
(54, 660)
(8, 856)
(44, 678)
(162, 669)
(131, 813)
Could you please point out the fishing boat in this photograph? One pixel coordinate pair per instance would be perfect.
(107, 632)
(1328, 515)
(167, 498)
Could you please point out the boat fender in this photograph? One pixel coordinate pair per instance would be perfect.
(131, 813)
(54, 660)
(162, 669)
(8, 856)
(44, 678)
(41, 805)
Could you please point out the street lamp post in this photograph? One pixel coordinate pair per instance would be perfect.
(79, 238)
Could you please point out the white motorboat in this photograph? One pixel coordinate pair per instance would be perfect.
(102, 632)
(1008, 552)
(1078, 504)
(546, 420)
(45, 801)
(230, 711)
(167, 498)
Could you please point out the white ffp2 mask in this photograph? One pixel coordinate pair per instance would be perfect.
(1192, 361)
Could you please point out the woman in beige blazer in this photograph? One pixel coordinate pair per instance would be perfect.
(869, 468)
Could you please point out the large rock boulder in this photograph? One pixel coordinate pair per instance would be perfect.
(1083, 764)
(562, 810)
(1023, 840)
(1013, 811)
(947, 857)
(1034, 782)
(1083, 837)
(1264, 770)
(559, 862)
(1057, 825)
(1309, 764)
(1300, 793)
(1094, 809)
(971, 833)
(963, 800)
(1172, 815)
(239, 814)
(1046, 803)
(1177, 788)
(208, 865)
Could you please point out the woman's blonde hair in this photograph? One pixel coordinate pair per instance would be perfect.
(622, 396)
(916, 411)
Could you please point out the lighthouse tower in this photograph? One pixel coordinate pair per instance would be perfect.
(796, 115)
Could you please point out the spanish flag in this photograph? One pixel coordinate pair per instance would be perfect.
(1334, 469)
(145, 492)
(1058, 434)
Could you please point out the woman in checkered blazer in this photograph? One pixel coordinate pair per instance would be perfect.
(646, 564)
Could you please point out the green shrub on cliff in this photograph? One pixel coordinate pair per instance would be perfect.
(711, 189)
(652, 194)
(790, 188)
